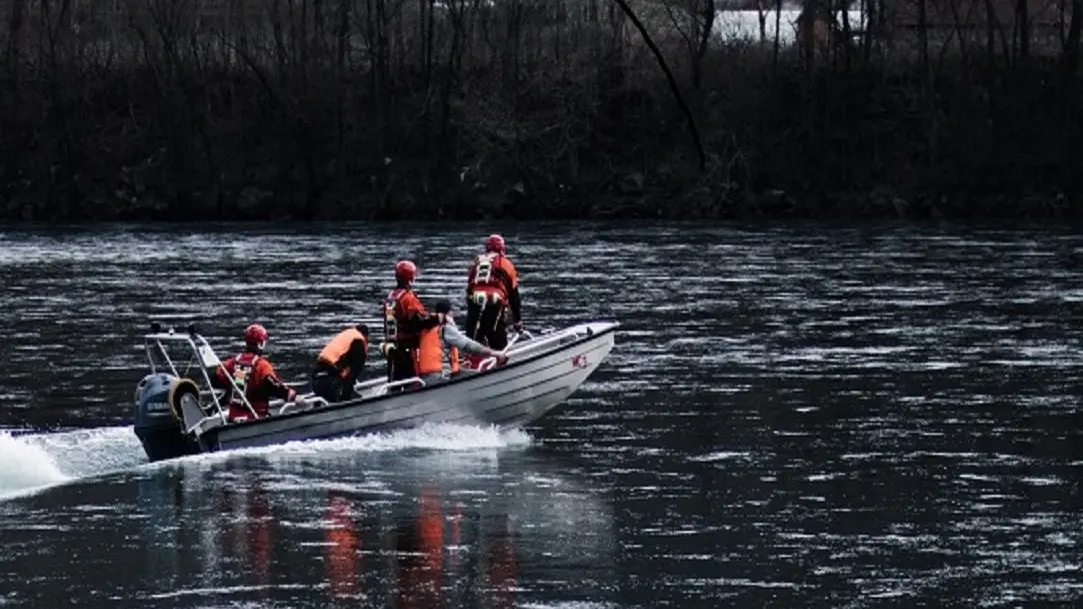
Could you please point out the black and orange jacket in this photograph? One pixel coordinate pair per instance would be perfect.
(494, 274)
(405, 318)
(256, 374)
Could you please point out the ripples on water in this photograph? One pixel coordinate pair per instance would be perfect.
(810, 415)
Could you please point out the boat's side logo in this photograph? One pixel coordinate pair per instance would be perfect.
(579, 361)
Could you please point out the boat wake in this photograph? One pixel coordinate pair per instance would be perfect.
(34, 462)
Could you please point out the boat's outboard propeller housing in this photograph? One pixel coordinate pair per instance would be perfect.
(158, 408)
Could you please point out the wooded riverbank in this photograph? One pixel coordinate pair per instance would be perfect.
(267, 109)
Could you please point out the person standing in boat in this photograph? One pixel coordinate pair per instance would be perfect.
(251, 375)
(492, 291)
(339, 364)
(447, 339)
(405, 318)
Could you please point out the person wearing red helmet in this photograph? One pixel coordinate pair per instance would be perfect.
(492, 291)
(405, 318)
(250, 374)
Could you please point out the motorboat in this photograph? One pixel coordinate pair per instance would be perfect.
(180, 413)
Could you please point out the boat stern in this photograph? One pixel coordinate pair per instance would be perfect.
(155, 419)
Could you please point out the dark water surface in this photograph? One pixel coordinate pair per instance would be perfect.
(807, 416)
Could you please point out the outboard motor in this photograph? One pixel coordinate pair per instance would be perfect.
(158, 416)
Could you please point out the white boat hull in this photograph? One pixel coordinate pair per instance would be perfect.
(540, 374)
(520, 392)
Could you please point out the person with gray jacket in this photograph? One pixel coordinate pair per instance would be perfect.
(454, 341)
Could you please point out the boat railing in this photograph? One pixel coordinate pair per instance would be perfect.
(201, 353)
(301, 402)
(308, 401)
(383, 387)
(489, 362)
(360, 386)
(529, 344)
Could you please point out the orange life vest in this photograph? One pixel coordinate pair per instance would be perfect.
(338, 346)
(429, 356)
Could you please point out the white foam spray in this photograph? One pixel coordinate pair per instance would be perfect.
(33, 462)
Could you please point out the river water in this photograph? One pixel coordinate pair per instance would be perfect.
(801, 416)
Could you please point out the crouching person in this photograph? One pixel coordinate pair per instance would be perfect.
(339, 364)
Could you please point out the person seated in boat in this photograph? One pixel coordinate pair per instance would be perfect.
(492, 293)
(405, 318)
(446, 339)
(339, 364)
(251, 374)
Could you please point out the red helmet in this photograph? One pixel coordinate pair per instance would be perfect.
(255, 336)
(495, 243)
(405, 271)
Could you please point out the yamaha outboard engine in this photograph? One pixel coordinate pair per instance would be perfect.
(158, 416)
